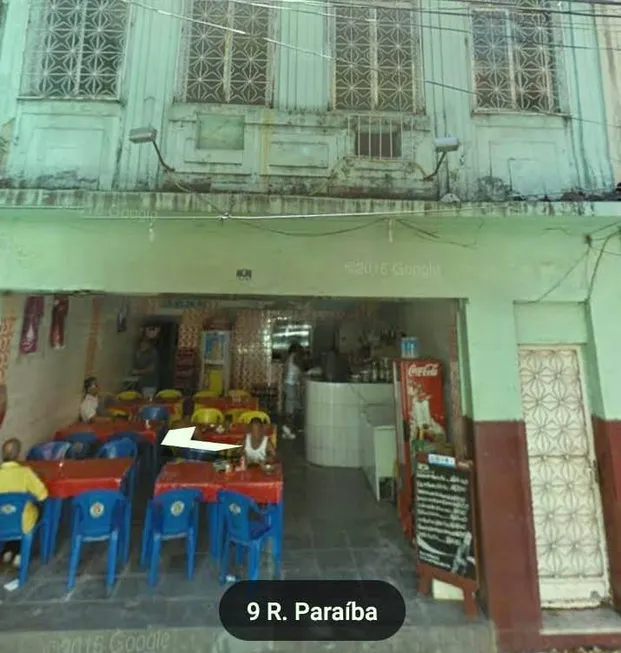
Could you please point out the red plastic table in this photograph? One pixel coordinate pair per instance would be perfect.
(105, 429)
(228, 403)
(235, 434)
(68, 478)
(253, 482)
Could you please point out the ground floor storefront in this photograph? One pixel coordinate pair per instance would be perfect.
(534, 362)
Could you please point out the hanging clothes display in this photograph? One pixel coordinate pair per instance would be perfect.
(33, 313)
(60, 311)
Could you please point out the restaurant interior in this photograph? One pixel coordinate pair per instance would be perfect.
(328, 501)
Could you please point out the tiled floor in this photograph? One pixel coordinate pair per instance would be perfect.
(334, 529)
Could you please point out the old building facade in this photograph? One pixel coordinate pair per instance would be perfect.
(304, 98)
(324, 117)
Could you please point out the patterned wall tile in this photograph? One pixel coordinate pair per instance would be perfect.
(251, 362)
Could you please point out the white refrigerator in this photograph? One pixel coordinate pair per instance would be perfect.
(216, 361)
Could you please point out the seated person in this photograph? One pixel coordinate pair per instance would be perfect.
(91, 408)
(15, 477)
(258, 448)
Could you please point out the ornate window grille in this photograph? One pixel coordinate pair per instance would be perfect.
(221, 66)
(376, 58)
(75, 49)
(514, 58)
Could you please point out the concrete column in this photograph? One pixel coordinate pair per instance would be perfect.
(506, 541)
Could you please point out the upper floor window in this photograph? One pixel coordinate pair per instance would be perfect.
(223, 66)
(75, 49)
(376, 55)
(514, 57)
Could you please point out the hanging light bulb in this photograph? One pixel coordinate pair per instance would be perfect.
(151, 231)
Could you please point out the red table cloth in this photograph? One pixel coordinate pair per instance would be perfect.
(103, 430)
(227, 403)
(236, 434)
(68, 478)
(253, 482)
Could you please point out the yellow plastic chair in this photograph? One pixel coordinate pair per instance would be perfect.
(176, 414)
(207, 416)
(169, 394)
(238, 394)
(205, 394)
(235, 414)
(128, 395)
(116, 412)
(247, 416)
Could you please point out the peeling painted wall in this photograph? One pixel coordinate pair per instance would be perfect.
(609, 33)
(298, 146)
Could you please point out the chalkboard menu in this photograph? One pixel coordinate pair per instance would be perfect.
(444, 521)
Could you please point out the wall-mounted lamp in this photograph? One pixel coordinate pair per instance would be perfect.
(149, 135)
(443, 146)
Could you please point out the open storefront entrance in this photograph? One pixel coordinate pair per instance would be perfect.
(338, 524)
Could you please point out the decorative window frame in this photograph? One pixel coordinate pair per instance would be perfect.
(558, 84)
(183, 60)
(33, 65)
(418, 88)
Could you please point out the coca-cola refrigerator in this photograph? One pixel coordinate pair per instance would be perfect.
(421, 422)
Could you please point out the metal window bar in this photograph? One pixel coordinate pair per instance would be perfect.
(368, 20)
(382, 137)
(547, 47)
(373, 58)
(79, 71)
(516, 79)
(228, 51)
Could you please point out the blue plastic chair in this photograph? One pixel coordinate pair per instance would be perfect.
(145, 450)
(171, 515)
(154, 413)
(243, 532)
(12, 505)
(99, 516)
(49, 451)
(122, 448)
(82, 444)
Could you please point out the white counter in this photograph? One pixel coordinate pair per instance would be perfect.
(333, 432)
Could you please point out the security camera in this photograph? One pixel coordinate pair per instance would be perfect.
(446, 144)
(143, 135)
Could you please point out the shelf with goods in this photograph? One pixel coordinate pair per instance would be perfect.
(186, 370)
(215, 373)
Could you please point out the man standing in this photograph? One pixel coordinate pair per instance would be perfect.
(15, 477)
(146, 367)
(291, 390)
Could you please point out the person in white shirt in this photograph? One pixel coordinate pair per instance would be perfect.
(90, 408)
(257, 448)
(291, 390)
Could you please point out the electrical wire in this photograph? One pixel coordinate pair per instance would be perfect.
(493, 3)
(335, 232)
(279, 5)
(560, 282)
(598, 260)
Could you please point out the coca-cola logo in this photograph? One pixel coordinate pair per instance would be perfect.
(429, 369)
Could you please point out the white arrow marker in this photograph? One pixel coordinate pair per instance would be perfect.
(182, 438)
